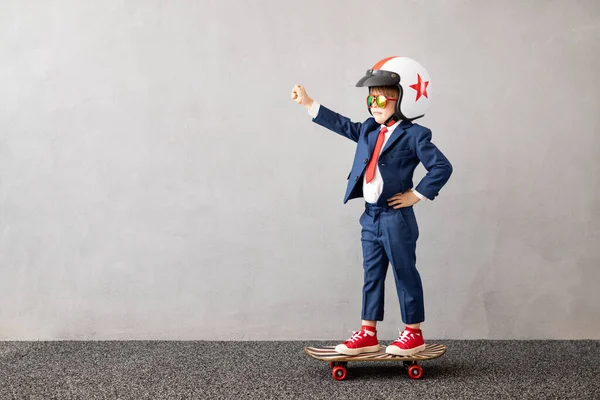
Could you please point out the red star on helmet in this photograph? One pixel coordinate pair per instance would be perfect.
(420, 87)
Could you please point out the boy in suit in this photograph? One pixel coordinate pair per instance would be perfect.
(389, 148)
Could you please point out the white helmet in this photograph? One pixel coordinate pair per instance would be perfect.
(411, 79)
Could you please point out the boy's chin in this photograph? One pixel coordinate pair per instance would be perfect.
(380, 118)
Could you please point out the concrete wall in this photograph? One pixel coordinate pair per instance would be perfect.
(157, 182)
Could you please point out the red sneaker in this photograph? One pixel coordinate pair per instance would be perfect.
(364, 341)
(408, 343)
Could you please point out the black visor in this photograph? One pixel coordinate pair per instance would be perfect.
(377, 77)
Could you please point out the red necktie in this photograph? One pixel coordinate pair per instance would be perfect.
(373, 163)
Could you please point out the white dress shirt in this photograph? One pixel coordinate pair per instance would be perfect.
(371, 190)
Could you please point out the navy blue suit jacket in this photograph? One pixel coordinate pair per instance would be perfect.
(408, 145)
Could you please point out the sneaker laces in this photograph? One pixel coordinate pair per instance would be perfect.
(357, 335)
(403, 338)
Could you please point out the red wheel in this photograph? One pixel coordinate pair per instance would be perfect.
(339, 373)
(415, 372)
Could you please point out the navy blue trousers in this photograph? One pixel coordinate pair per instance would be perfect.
(389, 236)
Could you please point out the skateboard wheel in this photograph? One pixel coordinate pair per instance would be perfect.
(339, 373)
(415, 371)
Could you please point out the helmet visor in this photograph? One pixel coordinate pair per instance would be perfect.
(377, 77)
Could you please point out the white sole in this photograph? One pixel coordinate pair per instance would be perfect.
(397, 351)
(342, 349)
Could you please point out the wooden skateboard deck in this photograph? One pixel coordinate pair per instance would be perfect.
(339, 361)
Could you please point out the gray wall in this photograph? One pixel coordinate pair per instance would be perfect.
(157, 182)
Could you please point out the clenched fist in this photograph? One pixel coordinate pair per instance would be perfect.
(299, 96)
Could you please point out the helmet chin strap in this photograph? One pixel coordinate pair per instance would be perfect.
(392, 120)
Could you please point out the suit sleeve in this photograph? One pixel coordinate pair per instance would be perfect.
(335, 122)
(437, 165)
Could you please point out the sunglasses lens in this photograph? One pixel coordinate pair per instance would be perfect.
(381, 101)
(370, 100)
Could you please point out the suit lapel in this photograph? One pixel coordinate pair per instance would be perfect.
(372, 139)
(398, 132)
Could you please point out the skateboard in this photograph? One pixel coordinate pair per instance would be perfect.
(339, 361)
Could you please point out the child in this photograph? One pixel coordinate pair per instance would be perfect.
(389, 148)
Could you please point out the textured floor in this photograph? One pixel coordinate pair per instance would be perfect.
(281, 370)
